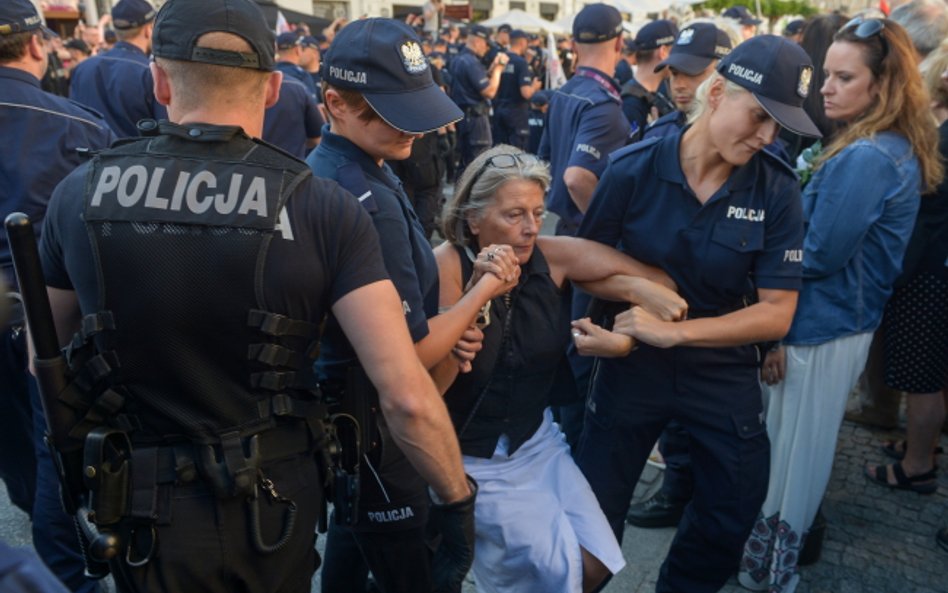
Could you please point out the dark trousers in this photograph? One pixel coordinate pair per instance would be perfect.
(677, 482)
(715, 397)
(207, 546)
(400, 561)
(17, 462)
(473, 138)
(511, 126)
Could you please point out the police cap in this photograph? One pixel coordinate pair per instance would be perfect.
(479, 31)
(794, 27)
(519, 34)
(655, 34)
(19, 16)
(540, 98)
(309, 41)
(181, 23)
(383, 60)
(288, 40)
(740, 14)
(697, 46)
(778, 72)
(129, 14)
(596, 23)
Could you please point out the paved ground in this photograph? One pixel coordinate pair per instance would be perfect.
(877, 541)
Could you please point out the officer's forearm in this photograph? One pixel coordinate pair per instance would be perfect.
(765, 321)
(493, 83)
(581, 183)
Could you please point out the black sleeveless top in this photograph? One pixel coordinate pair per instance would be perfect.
(515, 373)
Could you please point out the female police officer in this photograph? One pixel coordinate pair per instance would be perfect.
(378, 90)
(724, 221)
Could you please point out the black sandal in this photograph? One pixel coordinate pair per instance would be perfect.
(896, 449)
(923, 483)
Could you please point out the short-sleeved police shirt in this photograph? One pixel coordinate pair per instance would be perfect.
(468, 79)
(517, 73)
(43, 136)
(324, 248)
(118, 84)
(584, 124)
(293, 120)
(748, 235)
(297, 73)
(408, 256)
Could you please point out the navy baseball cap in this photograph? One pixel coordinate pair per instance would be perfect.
(540, 98)
(19, 16)
(479, 31)
(740, 14)
(596, 23)
(794, 27)
(288, 40)
(129, 14)
(697, 46)
(180, 23)
(778, 72)
(519, 34)
(655, 34)
(309, 41)
(504, 27)
(382, 59)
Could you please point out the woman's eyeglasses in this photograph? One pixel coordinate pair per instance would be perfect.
(866, 29)
(505, 161)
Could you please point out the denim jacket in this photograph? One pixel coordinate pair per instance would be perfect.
(859, 210)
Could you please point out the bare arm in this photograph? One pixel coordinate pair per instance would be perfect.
(768, 319)
(372, 319)
(493, 76)
(581, 183)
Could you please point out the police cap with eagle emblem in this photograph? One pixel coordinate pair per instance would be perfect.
(181, 23)
(778, 72)
(382, 59)
(697, 46)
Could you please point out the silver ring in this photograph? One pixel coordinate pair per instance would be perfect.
(490, 256)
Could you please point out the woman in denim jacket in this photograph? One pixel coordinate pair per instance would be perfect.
(859, 207)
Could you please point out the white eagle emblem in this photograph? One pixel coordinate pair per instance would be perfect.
(803, 87)
(413, 58)
(685, 37)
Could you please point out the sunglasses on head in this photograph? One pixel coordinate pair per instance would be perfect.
(866, 29)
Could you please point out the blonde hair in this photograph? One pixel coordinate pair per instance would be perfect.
(477, 186)
(932, 68)
(700, 102)
(902, 104)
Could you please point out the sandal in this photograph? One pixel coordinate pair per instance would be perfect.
(922, 483)
(896, 449)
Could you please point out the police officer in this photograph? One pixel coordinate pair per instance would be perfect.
(692, 60)
(471, 87)
(584, 124)
(744, 19)
(646, 96)
(294, 123)
(310, 62)
(723, 219)
(517, 85)
(291, 61)
(118, 83)
(43, 139)
(536, 118)
(624, 72)
(381, 97)
(245, 253)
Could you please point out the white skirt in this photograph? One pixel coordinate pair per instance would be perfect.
(804, 413)
(534, 511)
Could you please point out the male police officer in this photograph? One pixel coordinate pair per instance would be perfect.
(517, 85)
(43, 136)
(291, 61)
(648, 90)
(118, 83)
(692, 60)
(584, 124)
(743, 17)
(203, 261)
(471, 88)
(295, 122)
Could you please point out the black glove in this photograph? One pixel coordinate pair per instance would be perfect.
(451, 528)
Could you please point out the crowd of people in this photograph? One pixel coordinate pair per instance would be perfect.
(271, 307)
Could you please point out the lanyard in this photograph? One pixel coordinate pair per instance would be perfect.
(606, 83)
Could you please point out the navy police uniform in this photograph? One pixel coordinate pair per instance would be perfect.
(585, 124)
(468, 79)
(637, 104)
(118, 84)
(510, 108)
(297, 73)
(45, 137)
(293, 119)
(742, 239)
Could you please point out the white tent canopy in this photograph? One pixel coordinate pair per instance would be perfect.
(519, 19)
(639, 6)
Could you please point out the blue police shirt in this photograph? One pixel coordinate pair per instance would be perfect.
(584, 124)
(468, 79)
(623, 72)
(408, 256)
(118, 84)
(43, 134)
(297, 73)
(517, 73)
(293, 120)
(748, 235)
